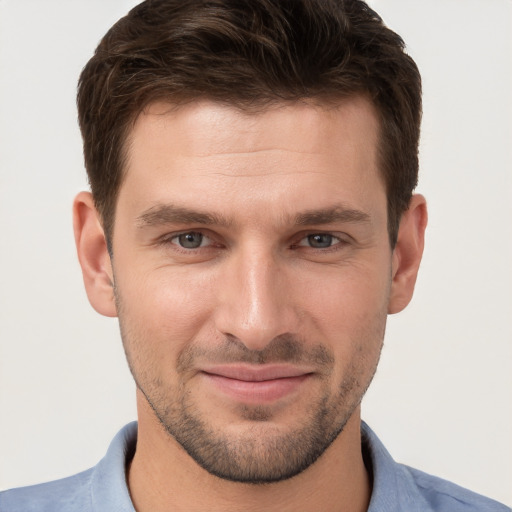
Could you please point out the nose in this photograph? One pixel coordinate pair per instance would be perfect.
(256, 302)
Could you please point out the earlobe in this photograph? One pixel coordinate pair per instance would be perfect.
(407, 254)
(93, 255)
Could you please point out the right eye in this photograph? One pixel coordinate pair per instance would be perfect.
(320, 240)
(190, 240)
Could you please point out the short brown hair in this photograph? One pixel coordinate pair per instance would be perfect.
(248, 53)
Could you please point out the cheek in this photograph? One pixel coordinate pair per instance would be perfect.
(348, 312)
(347, 295)
(162, 310)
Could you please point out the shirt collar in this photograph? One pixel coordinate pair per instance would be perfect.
(393, 490)
(109, 490)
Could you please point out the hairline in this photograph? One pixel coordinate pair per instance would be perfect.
(254, 107)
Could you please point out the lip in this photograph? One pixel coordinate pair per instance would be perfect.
(256, 384)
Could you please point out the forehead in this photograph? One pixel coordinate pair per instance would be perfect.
(214, 155)
(207, 127)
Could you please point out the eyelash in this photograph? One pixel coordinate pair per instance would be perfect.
(338, 242)
(334, 246)
(168, 240)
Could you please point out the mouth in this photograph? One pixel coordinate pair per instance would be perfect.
(256, 384)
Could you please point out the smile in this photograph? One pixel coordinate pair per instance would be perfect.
(255, 384)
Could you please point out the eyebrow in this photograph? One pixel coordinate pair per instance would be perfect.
(331, 215)
(163, 214)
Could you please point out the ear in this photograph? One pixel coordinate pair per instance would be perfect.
(407, 254)
(93, 255)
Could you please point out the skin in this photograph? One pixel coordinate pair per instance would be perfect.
(293, 273)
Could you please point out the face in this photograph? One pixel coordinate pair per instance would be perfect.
(252, 274)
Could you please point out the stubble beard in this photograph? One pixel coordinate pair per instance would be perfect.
(261, 452)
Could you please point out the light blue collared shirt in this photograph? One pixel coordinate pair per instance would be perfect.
(396, 488)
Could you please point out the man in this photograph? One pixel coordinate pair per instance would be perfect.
(251, 224)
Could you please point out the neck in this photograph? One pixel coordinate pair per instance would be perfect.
(163, 477)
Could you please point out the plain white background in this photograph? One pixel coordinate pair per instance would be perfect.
(441, 399)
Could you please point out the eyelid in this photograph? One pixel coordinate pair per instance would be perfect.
(340, 240)
(305, 238)
(341, 237)
(214, 240)
(175, 236)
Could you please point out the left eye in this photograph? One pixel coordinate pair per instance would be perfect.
(319, 241)
(190, 240)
